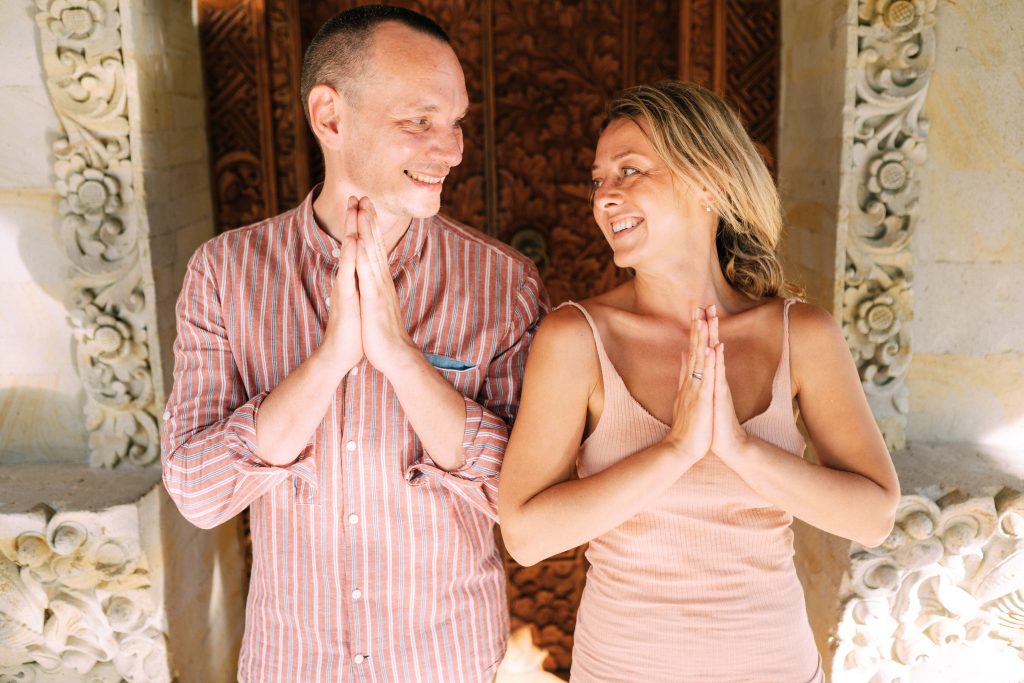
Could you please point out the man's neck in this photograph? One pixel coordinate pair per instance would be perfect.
(329, 211)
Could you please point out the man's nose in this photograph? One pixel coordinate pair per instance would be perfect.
(448, 146)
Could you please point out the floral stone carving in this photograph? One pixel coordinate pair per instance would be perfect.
(108, 311)
(76, 601)
(895, 53)
(950, 574)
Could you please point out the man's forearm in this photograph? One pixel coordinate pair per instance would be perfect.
(435, 409)
(296, 407)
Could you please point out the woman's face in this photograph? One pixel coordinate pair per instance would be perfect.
(640, 206)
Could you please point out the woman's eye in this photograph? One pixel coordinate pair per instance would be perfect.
(629, 170)
(457, 124)
(595, 183)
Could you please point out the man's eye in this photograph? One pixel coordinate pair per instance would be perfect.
(595, 183)
(457, 124)
(418, 122)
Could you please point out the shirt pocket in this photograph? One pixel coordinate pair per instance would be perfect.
(464, 375)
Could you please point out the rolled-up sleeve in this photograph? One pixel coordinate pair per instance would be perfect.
(208, 441)
(491, 413)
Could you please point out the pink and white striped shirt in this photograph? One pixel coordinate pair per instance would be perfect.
(369, 562)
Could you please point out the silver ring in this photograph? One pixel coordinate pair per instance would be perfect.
(697, 376)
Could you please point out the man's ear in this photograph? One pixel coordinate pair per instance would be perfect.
(325, 115)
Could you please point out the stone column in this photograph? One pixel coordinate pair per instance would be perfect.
(870, 213)
(101, 579)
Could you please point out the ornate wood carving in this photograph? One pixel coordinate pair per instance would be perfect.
(76, 600)
(108, 311)
(896, 50)
(951, 573)
(258, 142)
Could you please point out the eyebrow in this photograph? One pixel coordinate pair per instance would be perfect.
(430, 108)
(619, 156)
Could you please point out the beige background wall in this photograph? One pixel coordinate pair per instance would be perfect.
(41, 396)
(967, 377)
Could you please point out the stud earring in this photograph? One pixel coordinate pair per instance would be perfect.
(707, 208)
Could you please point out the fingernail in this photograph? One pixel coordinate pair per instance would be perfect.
(712, 311)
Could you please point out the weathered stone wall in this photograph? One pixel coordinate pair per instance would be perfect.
(814, 129)
(166, 112)
(966, 377)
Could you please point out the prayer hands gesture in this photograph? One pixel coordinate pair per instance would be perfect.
(366, 318)
(704, 416)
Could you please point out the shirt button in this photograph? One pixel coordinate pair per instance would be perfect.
(355, 371)
(353, 519)
(328, 302)
(336, 252)
(358, 659)
(167, 415)
(351, 445)
(356, 594)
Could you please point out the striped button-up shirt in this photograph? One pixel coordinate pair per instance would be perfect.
(369, 562)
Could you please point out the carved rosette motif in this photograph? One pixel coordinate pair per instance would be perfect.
(76, 601)
(950, 573)
(896, 50)
(81, 44)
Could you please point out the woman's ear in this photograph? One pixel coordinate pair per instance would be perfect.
(325, 115)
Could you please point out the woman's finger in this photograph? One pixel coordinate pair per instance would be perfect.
(711, 313)
(700, 354)
(693, 360)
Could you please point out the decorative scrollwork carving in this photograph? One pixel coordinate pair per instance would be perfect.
(951, 572)
(81, 42)
(76, 601)
(895, 53)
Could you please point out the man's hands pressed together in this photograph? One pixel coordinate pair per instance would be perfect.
(365, 319)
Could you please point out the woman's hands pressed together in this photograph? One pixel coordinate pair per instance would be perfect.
(692, 427)
(704, 416)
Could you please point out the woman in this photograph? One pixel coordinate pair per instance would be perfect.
(684, 476)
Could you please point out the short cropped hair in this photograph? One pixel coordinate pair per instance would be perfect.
(336, 55)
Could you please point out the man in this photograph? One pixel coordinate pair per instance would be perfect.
(347, 370)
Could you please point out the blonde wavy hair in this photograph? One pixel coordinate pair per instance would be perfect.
(703, 142)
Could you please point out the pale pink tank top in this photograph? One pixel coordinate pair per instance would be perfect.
(700, 586)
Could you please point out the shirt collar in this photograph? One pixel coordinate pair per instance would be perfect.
(320, 242)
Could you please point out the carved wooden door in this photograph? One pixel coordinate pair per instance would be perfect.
(539, 75)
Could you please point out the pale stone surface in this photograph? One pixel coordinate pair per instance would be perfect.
(977, 399)
(40, 392)
(28, 115)
(167, 114)
(812, 135)
(969, 253)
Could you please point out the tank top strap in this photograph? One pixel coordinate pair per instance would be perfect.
(781, 386)
(614, 386)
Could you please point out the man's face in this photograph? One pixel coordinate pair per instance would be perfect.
(402, 131)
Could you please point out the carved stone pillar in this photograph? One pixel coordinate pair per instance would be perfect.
(101, 579)
(942, 600)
